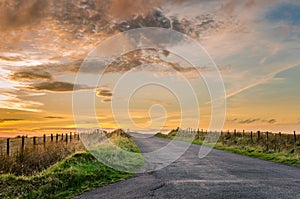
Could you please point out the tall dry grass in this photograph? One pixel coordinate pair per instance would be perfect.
(34, 159)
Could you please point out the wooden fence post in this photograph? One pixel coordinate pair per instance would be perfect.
(267, 140)
(34, 141)
(51, 137)
(66, 138)
(258, 135)
(62, 136)
(23, 143)
(243, 133)
(295, 137)
(234, 133)
(251, 135)
(44, 140)
(56, 137)
(7, 146)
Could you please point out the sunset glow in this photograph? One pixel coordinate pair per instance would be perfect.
(255, 45)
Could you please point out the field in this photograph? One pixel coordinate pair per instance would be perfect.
(68, 177)
(276, 147)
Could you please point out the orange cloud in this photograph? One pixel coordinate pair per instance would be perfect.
(16, 13)
(56, 86)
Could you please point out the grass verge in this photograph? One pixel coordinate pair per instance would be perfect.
(72, 176)
(285, 157)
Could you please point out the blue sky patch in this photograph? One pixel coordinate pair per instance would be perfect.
(285, 12)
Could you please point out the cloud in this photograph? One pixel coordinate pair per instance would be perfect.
(123, 9)
(20, 104)
(248, 121)
(53, 117)
(110, 9)
(86, 18)
(10, 120)
(271, 121)
(253, 120)
(153, 101)
(68, 22)
(74, 25)
(30, 75)
(103, 93)
(105, 100)
(227, 8)
(16, 13)
(143, 60)
(17, 99)
(11, 58)
(250, 3)
(7, 129)
(56, 86)
(45, 70)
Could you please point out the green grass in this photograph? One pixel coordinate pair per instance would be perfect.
(257, 151)
(123, 154)
(163, 136)
(72, 176)
(286, 158)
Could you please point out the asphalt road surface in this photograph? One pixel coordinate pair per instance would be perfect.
(219, 175)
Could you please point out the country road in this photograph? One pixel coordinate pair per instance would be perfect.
(219, 175)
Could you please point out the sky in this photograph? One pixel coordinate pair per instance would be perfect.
(255, 45)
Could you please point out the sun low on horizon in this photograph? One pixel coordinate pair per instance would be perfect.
(255, 46)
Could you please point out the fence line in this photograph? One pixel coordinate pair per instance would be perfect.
(267, 139)
(13, 145)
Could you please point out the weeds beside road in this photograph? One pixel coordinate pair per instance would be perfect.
(283, 148)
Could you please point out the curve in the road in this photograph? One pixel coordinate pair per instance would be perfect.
(219, 175)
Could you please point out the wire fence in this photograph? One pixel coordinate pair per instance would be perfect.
(269, 141)
(12, 146)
